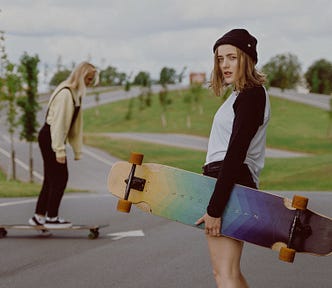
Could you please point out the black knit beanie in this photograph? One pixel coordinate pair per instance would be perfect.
(241, 39)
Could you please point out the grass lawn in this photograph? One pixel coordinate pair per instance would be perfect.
(17, 188)
(13, 188)
(293, 126)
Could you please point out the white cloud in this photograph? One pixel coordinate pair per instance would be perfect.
(150, 34)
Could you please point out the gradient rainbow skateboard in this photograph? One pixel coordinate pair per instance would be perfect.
(253, 216)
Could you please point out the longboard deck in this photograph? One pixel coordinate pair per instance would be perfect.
(94, 229)
(253, 216)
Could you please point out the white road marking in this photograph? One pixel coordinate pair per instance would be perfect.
(125, 234)
(97, 157)
(12, 203)
(22, 164)
(32, 200)
(38, 175)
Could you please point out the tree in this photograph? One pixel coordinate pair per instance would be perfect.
(121, 78)
(319, 77)
(10, 87)
(168, 76)
(164, 102)
(110, 76)
(182, 74)
(127, 87)
(283, 71)
(3, 59)
(97, 98)
(142, 79)
(107, 76)
(29, 104)
(59, 76)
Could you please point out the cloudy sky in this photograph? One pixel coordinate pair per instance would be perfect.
(147, 35)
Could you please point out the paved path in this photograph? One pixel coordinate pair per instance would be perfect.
(191, 142)
(312, 99)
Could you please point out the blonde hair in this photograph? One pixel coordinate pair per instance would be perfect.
(248, 75)
(75, 81)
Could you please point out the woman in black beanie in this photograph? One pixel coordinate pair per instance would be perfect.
(236, 147)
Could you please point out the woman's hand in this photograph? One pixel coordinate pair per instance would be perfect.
(61, 160)
(212, 225)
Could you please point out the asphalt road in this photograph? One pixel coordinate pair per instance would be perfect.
(135, 250)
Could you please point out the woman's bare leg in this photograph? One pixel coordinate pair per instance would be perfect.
(225, 254)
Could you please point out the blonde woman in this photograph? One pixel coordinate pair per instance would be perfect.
(236, 146)
(63, 122)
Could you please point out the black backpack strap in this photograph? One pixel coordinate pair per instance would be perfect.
(77, 109)
(72, 97)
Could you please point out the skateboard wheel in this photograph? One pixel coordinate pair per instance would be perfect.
(94, 233)
(287, 254)
(3, 233)
(136, 158)
(124, 206)
(300, 202)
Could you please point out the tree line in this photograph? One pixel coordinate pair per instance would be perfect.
(284, 71)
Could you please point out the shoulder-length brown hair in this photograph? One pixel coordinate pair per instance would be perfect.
(248, 75)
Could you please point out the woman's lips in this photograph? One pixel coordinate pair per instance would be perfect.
(227, 74)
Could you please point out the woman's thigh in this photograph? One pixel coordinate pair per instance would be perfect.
(225, 254)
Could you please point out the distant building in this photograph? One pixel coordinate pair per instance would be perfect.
(197, 78)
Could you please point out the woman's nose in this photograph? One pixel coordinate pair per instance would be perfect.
(225, 63)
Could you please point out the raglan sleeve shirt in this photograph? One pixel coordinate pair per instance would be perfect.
(249, 108)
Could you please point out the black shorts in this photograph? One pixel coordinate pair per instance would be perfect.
(244, 178)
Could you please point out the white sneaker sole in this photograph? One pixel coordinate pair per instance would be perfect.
(33, 223)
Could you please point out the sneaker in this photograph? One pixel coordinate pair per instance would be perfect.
(57, 223)
(37, 220)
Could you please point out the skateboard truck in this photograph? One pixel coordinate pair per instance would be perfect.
(136, 183)
(287, 254)
(132, 183)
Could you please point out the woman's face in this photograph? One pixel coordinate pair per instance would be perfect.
(228, 62)
(88, 80)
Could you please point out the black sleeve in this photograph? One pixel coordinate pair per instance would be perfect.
(249, 110)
